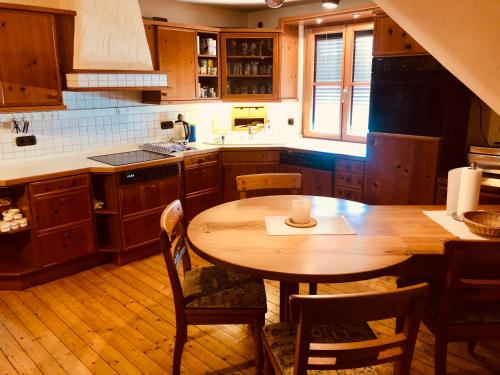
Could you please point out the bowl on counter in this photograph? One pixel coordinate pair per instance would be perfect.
(483, 223)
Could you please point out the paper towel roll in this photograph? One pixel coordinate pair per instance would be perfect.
(468, 194)
(454, 176)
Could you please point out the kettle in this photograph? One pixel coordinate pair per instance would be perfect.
(181, 128)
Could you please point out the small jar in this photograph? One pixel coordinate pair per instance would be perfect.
(4, 226)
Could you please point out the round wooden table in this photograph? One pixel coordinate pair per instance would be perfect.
(233, 235)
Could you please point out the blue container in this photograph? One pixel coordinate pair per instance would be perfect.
(192, 133)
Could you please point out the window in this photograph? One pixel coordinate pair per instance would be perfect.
(337, 82)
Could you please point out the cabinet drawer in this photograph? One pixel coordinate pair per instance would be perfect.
(199, 203)
(53, 211)
(202, 178)
(350, 166)
(350, 194)
(61, 245)
(201, 159)
(59, 184)
(147, 195)
(355, 181)
(141, 229)
(250, 156)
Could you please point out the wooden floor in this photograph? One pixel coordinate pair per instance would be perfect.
(121, 320)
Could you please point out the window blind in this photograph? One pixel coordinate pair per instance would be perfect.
(328, 58)
(363, 42)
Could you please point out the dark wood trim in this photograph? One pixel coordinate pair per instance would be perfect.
(31, 8)
(35, 108)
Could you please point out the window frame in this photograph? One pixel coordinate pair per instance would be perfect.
(346, 83)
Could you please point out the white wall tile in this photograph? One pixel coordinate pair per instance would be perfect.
(100, 119)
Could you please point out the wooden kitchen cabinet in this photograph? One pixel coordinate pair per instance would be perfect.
(401, 169)
(128, 225)
(64, 244)
(237, 163)
(62, 219)
(173, 51)
(250, 65)
(389, 39)
(202, 183)
(30, 76)
(316, 170)
(349, 179)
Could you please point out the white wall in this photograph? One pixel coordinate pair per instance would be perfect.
(195, 14)
(271, 17)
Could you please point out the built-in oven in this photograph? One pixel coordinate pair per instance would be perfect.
(407, 95)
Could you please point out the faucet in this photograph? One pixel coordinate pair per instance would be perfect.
(250, 131)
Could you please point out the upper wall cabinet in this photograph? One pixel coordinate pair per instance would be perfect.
(175, 51)
(30, 77)
(250, 68)
(391, 40)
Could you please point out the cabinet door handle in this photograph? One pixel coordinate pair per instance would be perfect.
(408, 46)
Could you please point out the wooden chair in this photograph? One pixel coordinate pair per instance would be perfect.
(467, 306)
(331, 333)
(208, 295)
(264, 181)
(272, 181)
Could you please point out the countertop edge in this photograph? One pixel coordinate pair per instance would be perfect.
(178, 158)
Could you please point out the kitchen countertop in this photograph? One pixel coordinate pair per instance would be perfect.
(49, 166)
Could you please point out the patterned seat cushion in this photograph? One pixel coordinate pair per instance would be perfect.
(213, 287)
(467, 314)
(280, 338)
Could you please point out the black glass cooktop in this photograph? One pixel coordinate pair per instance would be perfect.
(130, 157)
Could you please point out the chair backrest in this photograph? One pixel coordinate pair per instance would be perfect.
(472, 277)
(173, 244)
(264, 181)
(309, 310)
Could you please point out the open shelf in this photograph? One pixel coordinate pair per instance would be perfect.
(16, 231)
(104, 211)
(250, 57)
(250, 76)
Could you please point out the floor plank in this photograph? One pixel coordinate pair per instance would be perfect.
(122, 320)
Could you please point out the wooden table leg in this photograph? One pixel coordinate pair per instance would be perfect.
(286, 289)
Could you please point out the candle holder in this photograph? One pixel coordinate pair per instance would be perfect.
(312, 222)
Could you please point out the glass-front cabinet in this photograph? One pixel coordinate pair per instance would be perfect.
(250, 69)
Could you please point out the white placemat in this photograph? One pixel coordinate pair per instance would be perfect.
(338, 224)
(453, 226)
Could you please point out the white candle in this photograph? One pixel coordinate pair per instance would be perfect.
(301, 211)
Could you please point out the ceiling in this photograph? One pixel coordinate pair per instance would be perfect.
(244, 5)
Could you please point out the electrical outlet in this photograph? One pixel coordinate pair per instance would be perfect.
(291, 121)
(26, 140)
(167, 124)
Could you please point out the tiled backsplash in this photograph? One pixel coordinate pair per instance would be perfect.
(101, 119)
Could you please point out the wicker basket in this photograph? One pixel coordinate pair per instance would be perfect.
(483, 223)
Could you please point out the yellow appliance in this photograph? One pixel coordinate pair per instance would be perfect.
(243, 117)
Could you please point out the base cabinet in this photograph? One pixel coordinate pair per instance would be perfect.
(62, 219)
(237, 163)
(64, 244)
(128, 225)
(202, 183)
